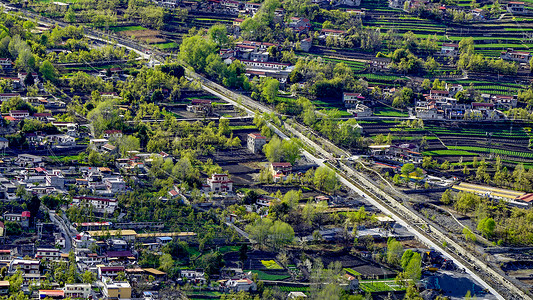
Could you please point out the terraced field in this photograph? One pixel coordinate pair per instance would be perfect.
(490, 37)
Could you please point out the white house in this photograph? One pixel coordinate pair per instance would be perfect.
(449, 49)
(515, 7)
(220, 183)
(99, 204)
(255, 142)
(7, 96)
(77, 290)
(238, 285)
(48, 254)
(4, 143)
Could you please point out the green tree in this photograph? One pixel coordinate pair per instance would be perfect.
(273, 150)
(219, 34)
(446, 197)
(194, 50)
(414, 267)
(48, 71)
(394, 252)
(326, 179)
(166, 262)
(88, 277)
(291, 150)
(407, 169)
(270, 89)
(486, 226)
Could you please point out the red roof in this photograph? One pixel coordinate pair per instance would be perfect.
(26, 214)
(113, 131)
(438, 92)
(333, 30)
(9, 118)
(52, 293)
(112, 269)
(281, 165)
(200, 101)
(476, 104)
(526, 198)
(256, 136)
(42, 115)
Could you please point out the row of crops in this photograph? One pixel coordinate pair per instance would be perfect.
(495, 151)
(496, 132)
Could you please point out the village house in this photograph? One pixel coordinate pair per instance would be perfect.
(61, 6)
(255, 142)
(515, 7)
(264, 65)
(351, 100)
(30, 269)
(332, 33)
(77, 290)
(19, 114)
(4, 143)
(280, 170)
(48, 254)
(360, 110)
(6, 63)
(99, 204)
(237, 22)
(405, 152)
(22, 218)
(299, 25)
(51, 294)
(379, 64)
(220, 183)
(29, 160)
(108, 148)
(7, 96)
(397, 4)
(244, 284)
(112, 134)
(200, 106)
(109, 271)
(116, 290)
(22, 77)
(359, 13)
(43, 117)
(4, 287)
(518, 56)
(97, 144)
(195, 276)
(448, 49)
(115, 184)
(306, 44)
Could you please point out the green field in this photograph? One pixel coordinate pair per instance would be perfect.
(380, 286)
(352, 272)
(495, 151)
(170, 45)
(126, 28)
(389, 112)
(448, 153)
(293, 288)
(266, 276)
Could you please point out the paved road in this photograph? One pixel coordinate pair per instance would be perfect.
(317, 160)
(64, 230)
(364, 194)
